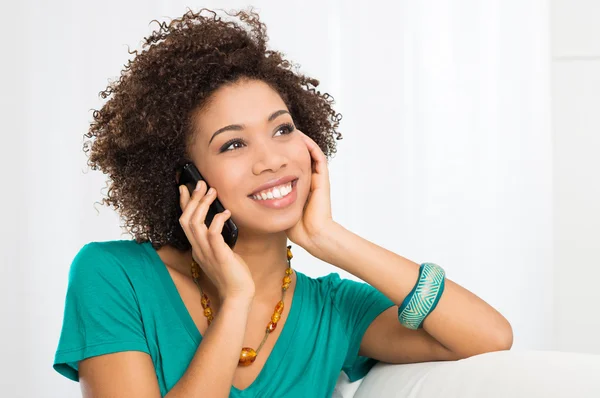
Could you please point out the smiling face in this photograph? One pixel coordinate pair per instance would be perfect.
(245, 138)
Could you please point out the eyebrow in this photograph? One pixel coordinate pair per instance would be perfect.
(238, 127)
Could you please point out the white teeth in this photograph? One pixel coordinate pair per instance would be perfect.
(275, 192)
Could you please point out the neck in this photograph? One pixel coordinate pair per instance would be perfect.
(265, 256)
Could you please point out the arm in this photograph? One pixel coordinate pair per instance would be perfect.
(462, 325)
(131, 374)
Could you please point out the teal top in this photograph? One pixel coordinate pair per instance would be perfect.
(121, 297)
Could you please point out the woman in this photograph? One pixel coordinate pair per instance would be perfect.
(137, 312)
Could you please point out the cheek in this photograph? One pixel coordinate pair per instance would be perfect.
(301, 156)
(228, 184)
(305, 165)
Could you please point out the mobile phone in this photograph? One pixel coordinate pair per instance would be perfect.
(189, 176)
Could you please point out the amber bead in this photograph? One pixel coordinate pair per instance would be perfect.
(205, 301)
(287, 280)
(207, 312)
(285, 286)
(289, 253)
(279, 307)
(195, 271)
(247, 356)
(288, 271)
(271, 326)
(276, 317)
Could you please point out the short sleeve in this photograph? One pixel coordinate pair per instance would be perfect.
(101, 313)
(358, 304)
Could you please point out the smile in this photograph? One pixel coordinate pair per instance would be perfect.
(277, 192)
(277, 197)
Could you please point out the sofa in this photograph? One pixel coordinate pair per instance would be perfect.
(514, 374)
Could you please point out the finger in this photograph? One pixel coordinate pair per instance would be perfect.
(198, 223)
(184, 196)
(317, 155)
(320, 175)
(193, 201)
(198, 217)
(185, 225)
(200, 190)
(218, 246)
(189, 205)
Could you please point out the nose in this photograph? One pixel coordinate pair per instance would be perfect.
(268, 157)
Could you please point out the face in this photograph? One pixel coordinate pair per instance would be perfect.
(245, 138)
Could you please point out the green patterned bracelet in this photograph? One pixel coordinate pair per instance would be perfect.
(423, 298)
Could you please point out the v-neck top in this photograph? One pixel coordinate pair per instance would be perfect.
(121, 297)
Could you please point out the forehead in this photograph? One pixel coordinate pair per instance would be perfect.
(245, 102)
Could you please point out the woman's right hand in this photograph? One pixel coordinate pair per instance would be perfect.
(226, 269)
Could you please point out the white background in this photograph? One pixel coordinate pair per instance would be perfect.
(470, 140)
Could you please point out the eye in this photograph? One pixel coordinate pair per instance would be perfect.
(287, 128)
(229, 144)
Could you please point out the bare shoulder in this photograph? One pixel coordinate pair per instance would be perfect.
(128, 374)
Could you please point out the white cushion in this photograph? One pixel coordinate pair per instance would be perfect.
(514, 374)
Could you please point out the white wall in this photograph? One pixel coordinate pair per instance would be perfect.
(452, 105)
(446, 128)
(13, 241)
(576, 122)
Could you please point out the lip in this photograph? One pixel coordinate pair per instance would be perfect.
(280, 203)
(274, 183)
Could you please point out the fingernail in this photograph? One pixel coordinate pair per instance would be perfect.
(211, 190)
(197, 186)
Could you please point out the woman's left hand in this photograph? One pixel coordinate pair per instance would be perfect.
(316, 217)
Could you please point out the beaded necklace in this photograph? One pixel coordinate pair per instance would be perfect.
(248, 354)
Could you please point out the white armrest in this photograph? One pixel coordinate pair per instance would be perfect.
(514, 374)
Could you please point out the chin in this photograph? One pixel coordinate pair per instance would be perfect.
(272, 223)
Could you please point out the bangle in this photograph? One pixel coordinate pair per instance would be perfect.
(424, 296)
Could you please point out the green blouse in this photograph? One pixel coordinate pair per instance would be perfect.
(121, 297)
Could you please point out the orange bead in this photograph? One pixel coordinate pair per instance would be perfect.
(247, 356)
(289, 253)
(276, 317)
(288, 271)
(205, 301)
(207, 312)
(279, 307)
(287, 280)
(271, 326)
(285, 286)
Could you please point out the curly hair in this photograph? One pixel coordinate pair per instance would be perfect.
(141, 135)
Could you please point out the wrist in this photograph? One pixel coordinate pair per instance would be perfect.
(238, 302)
(327, 243)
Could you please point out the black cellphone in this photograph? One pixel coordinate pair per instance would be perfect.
(189, 176)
